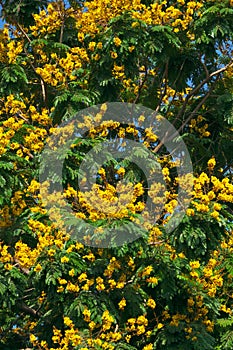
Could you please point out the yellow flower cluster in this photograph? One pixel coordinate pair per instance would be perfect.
(167, 93)
(9, 49)
(5, 257)
(111, 202)
(5, 217)
(114, 265)
(13, 106)
(118, 72)
(34, 140)
(13, 50)
(99, 13)
(4, 38)
(5, 138)
(24, 255)
(196, 311)
(137, 325)
(151, 303)
(51, 74)
(209, 192)
(146, 271)
(200, 129)
(211, 278)
(18, 203)
(122, 304)
(18, 117)
(47, 22)
(73, 337)
(42, 118)
(107, 320)
(154, 234)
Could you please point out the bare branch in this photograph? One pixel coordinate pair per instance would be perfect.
(23, 31)
(162, 94)
(28, 310)
(196, 109)
(199, 86)
(140, 87)
(61, 32)
(205, 68)
(43, 90)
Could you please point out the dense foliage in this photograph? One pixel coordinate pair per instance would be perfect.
(164, 290)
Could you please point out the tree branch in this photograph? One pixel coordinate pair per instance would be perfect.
(28, 310)
(43, 90)
(199, 86)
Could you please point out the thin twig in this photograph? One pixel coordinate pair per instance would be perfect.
(199, 86)
(43, 90)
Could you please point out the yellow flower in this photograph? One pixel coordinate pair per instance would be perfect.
(8, 267)
(188, 330)
(190, 212)
(217, 206)
(131, 263)
(72, 273)
(148, 347)
(134, 24)
(38, 268)
(91, 46)
(117, 41)
(32, 338)
(81, 36)
(87, 315)
(127, 338)
(165, 171)
(68, 322)
(152, 280)
(121, 171)
(100, 285)
(99, 45)
(190, 302)
(194, 274)
(151, 303)
(82, 277)
(211, 163)
(51, 252)
(72, 287)
(194, 264)
(34, 186)
(120, 285)
(215, 214)
(64, 259)
(112, 283)
(62, 281)
(102, 172)
(91, 325)
(122, 304)
(206, 134)
(142, 320)
(90, 257)
(114, 55)
(131, 48)
(131, 320)
(147, 271)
